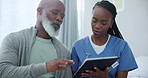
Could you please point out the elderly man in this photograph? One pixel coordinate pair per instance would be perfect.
(35, 52)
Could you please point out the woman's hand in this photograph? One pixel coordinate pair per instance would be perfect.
(97, 73)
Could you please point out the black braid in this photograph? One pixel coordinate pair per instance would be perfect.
(115, 31)
(112, 9)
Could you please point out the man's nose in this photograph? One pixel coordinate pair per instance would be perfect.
(59, 19)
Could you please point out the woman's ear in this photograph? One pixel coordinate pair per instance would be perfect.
(111, 23)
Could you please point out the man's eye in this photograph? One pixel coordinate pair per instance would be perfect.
(94, 21)
(55, 12)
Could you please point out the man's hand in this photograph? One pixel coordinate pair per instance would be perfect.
(58, 64)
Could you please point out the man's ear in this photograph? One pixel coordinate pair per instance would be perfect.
(39, 10)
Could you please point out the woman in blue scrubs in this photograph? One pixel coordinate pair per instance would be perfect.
(105, 41)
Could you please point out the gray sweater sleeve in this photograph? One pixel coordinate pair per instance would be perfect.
(9, 62)
(68, 72)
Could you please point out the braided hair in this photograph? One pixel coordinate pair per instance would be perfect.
(112, 9)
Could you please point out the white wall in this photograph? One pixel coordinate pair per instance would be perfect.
(16, 15)
(86, 17)
(132, 22)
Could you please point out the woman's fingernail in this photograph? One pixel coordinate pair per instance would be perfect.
(95, 67)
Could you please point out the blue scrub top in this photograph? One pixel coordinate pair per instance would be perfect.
(114, 47)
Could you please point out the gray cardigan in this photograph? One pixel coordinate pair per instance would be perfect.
(15, 55)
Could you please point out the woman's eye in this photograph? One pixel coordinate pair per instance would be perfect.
(104, 22)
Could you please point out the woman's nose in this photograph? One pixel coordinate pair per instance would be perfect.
(98, 25)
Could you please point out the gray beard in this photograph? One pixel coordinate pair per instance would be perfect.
(47, 25)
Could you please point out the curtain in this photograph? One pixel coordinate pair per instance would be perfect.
(69, 29)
